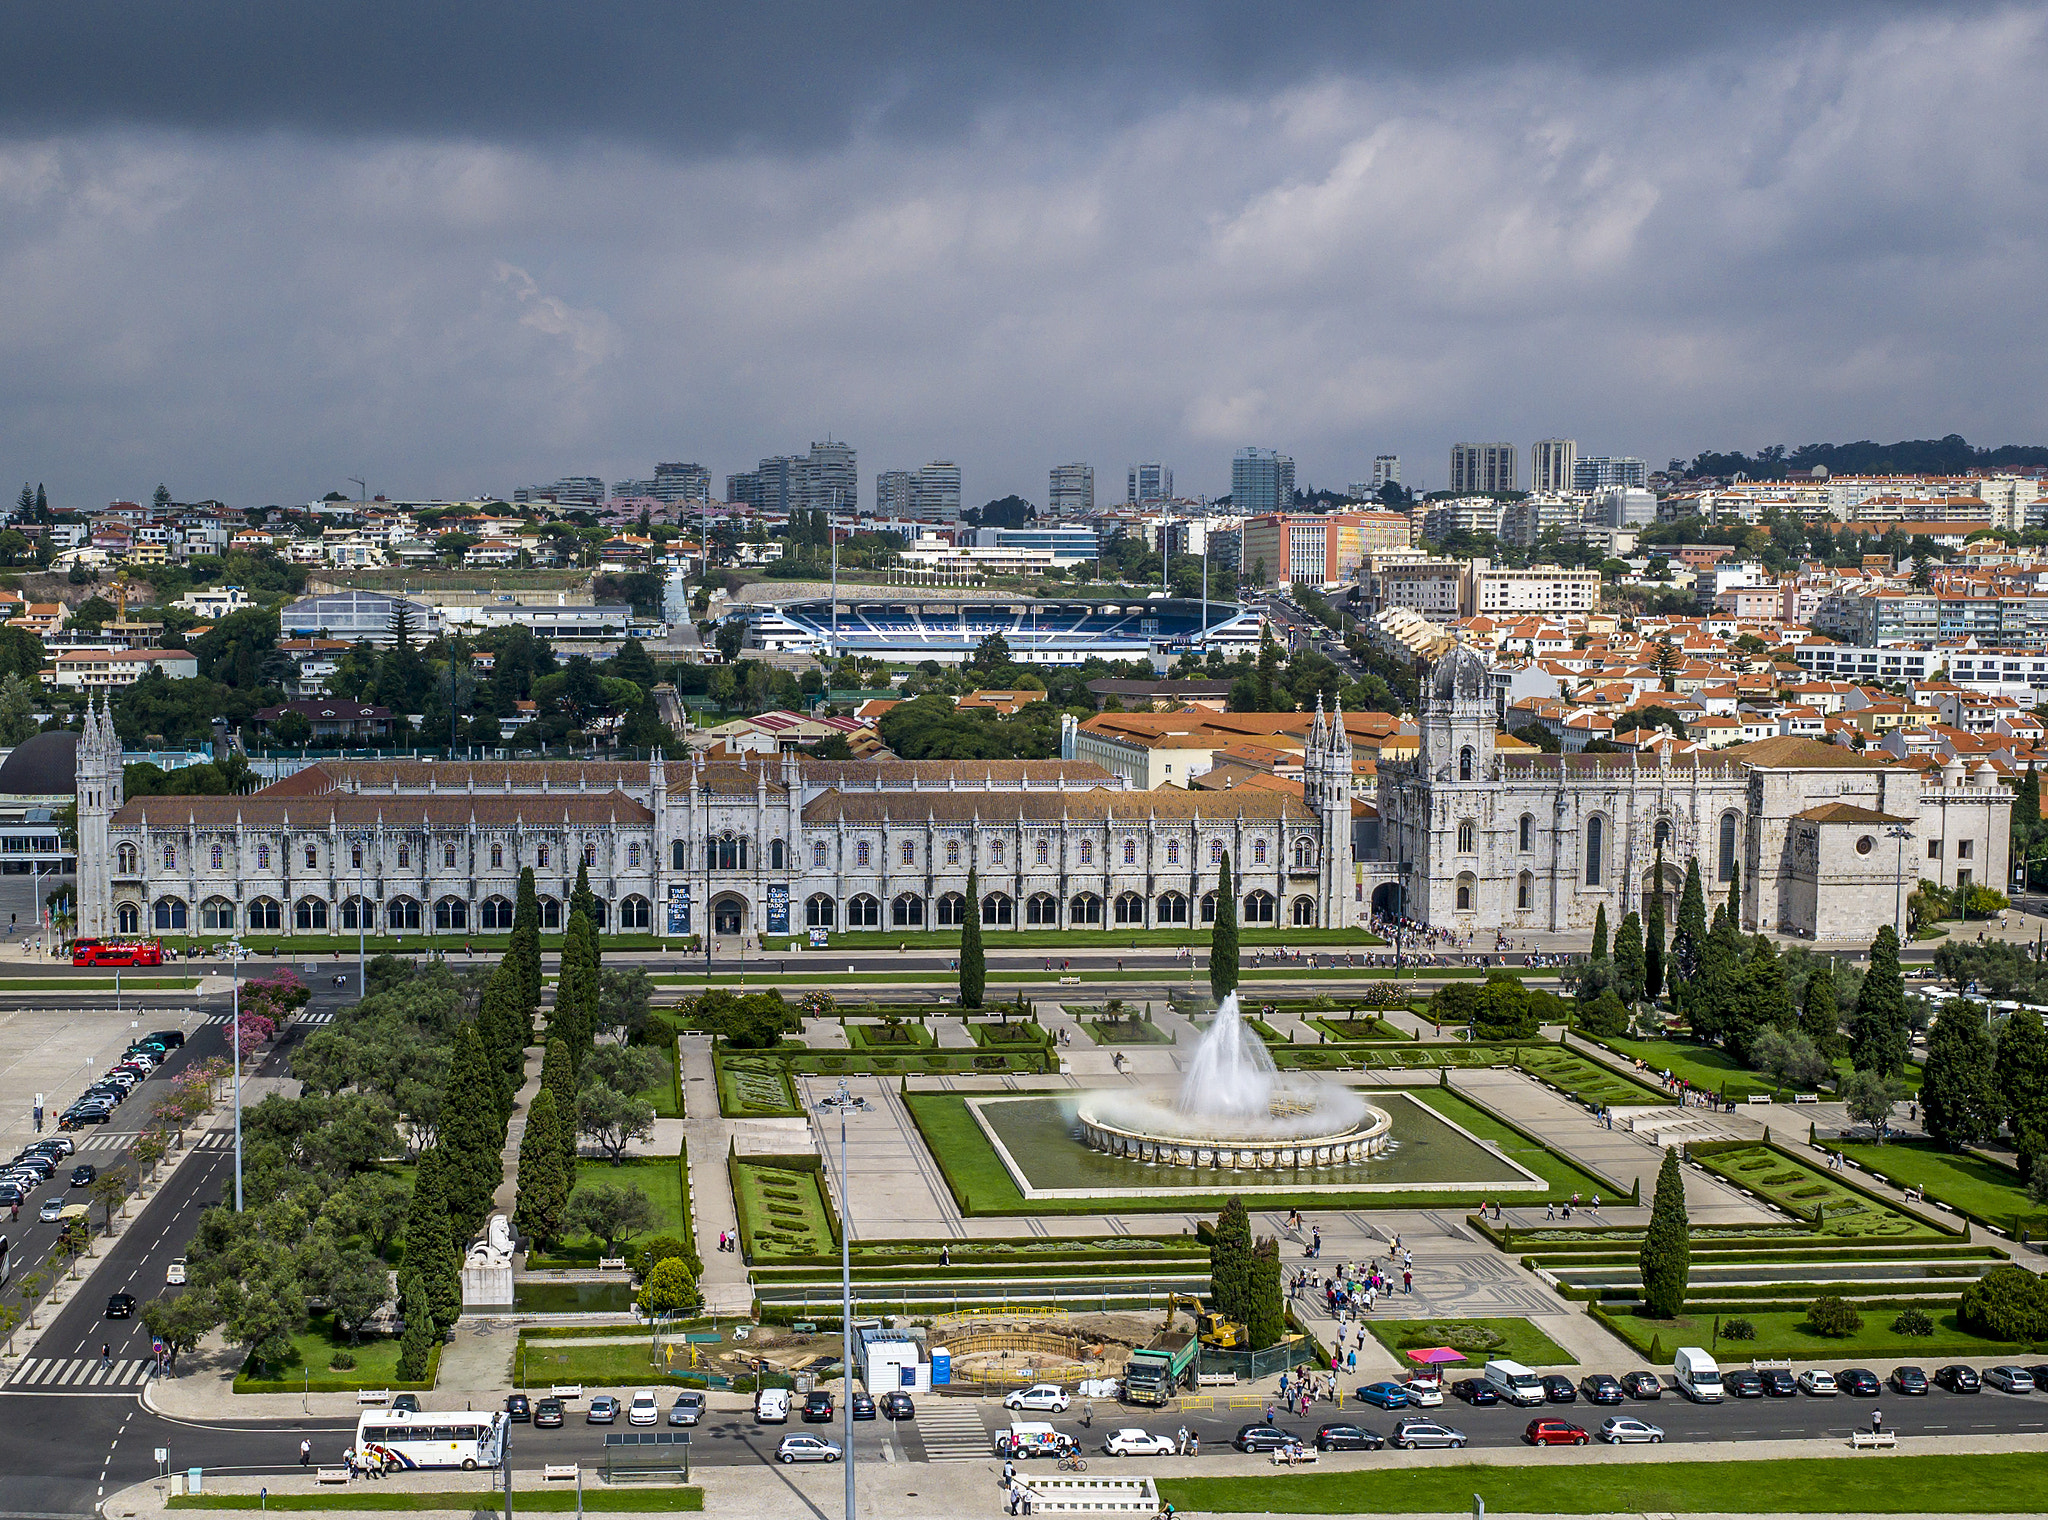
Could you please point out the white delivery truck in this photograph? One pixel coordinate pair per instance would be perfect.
(1514, 1382)
(1698, 1375)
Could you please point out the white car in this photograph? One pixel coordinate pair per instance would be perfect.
(2009, 1379)
(52, 1210)
(806, 1449)
(1039, 1396)
(643, 1410)
(1819, 1382)
(174, 1274)
(1423, 1393)
(1620, 1429)
(1138, 1443)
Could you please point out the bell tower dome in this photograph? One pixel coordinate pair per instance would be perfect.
(1458, 717)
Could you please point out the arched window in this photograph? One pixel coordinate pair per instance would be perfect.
(1727, 846)
(1525, 891)
(355, 857)
(952, 852)
(1043, 852)
(601, 912)
(312, 857)
(1468, 836)
(1042, 908)
(1258, 908)
(1086, 908)
(402, 913)
(170, 857)
(1464, 899)
(216, 857)
(863, 912)
(1304, 855)
(817, 854)
(540, 857)
(448, 857)
(1087, 852)
(678, 856)
(635, 912)
(1258, 852)
(263, 857)
(266, 913)
(1304, 912)
(952, 910)
(496, 914)
(451, 913)
(310, 913)
(590, 855)
(1173, 852)
(550, 913)
(1130, 852)
(1208, 907)
(1130, 909)
(170, 913)
(1596, 851)
(1526, 834)
(1215, 852)
(820, 912)
(995, 852)
(357, 913)
(1173, 908)
(632, 857)
(216, 913)
(129, 919)
(907, 911)
(127, 859)
(1663, 833)
(776, 855)
(909, 852)
(860, 854)
(996, 908)
(404, 857)
(1465, 763)
(498, 857)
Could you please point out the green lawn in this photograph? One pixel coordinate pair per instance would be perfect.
(376, 1364)
(1482, 1340)
(750, 1088)
(782, 1210)
(99, 981)
(889, 1039)
(1587, 1079)
(1983, 1187)
(1564, 1177)
(1367, 1027)
(1934, 1484)
(1125, 1032)
(659, 1177)
(542, 1364)
(1783, 1332)
(1797, 1187)
(599, 1501)
(1715, 1070)
(666, 1095)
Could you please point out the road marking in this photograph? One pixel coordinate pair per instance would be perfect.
(80, 1372)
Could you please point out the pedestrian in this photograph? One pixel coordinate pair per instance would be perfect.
(1407, 1282)
(1180, 1441)
(305, 1453)
(1351, 1361)
(1088, 1413)
(1283, 1386)
(1876, 1421)
(1195, 1444)
(1016, 1494)
(1010, 1477)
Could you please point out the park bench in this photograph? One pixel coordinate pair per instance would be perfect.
(1758, 1098)
(1215, 1379)
(560, 1470)
(1070, 981)
(1806, 1097)
(1868, 1440)
(611, 1263)
(373, 1395)
(1306, 1457)
(566, 1391)
(331, 1475)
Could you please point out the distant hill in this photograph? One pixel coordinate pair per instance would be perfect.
(1952, 455)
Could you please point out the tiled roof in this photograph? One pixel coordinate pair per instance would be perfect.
(358, 811)
(927, 775)
(1100, 805)
(1843, 812)
(502, 776)
(1790, 753)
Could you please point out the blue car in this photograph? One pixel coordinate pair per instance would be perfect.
(1385, 1395)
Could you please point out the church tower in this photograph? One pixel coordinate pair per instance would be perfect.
(99, 798)
(1458, 718)
(1326, 787)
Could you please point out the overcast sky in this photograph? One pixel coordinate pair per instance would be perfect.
(251, 250)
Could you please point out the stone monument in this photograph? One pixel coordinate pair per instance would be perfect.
(487, 1269)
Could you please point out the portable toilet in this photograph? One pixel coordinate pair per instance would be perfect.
(942, 1366)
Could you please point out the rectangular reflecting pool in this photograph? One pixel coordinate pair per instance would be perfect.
(1036, 1138)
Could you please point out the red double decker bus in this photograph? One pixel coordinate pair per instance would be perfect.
(117, 952)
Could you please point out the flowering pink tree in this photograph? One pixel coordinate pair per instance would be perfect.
(252, 1031)
(276, 997)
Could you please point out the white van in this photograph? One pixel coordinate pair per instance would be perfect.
(1026, 1438)
(1698, 1375)
(1514, 1382)
(771, 1406)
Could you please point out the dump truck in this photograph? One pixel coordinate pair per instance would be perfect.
(1155, 1371)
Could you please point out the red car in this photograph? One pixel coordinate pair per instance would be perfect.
(1555, 1433)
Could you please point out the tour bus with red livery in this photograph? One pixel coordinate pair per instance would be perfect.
(117, 952)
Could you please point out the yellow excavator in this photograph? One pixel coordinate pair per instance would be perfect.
(1212, 1328)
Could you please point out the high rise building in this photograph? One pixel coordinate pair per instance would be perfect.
(895, 493)
(938, 492)
(1599, 471)
(1072, 490)
(744, 489)
(1150, 482)
(1325, 549)
(681, 482)
(1386, 470)
(1551, 461)
(832, 477)
(1477, 467)
(1261, 480)
(827, 477)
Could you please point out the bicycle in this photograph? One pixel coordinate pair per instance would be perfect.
(1073, 1464)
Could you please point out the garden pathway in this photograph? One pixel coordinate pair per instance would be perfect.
(724, 1283)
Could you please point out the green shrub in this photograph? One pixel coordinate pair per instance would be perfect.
(1818, 1190)
(1912, 1322)
(1832, 1315)
(341, 1361)
(1738, 1330)
(2008, 1303)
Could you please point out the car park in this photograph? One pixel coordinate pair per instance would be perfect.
(643, 1410)
(1600, 1388)
(1554, 1433)
(84, 1175)
(2009, 1379)
(1742, 1383)
(807, 1449)
(59, 1145)
(863, 1405)
(688, 1408)
(1423, 1393)
(1908, 1380)
(1558, 1389)
(1642, 1385)
(898, 1405)
(1818, 1382)
(547, 1414)
(603, 1410)
(1039, 1396)
(518, 1408)
(1348, 1438)
(1263, 1438)
(1858, 1382)
(12, 1193)
(1779, 1382)
(817, 1408)
(121, 1306)
(1620, 1430)
(1957, 1378)
(1475, 1391)
(1411, 1434)
(1133, 1442)
(1385, 1395)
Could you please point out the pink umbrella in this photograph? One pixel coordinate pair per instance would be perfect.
(1431, 1356)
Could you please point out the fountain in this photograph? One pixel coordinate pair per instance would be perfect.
(1236, 1111)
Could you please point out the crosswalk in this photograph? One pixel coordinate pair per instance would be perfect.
(952, 1431)
(308, 1016)
(101, 1141)
(78, 1373)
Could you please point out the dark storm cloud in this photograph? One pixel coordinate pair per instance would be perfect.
(694, 76)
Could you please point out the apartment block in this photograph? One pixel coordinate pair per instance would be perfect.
(1483, 467)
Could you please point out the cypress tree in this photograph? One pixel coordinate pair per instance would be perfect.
(416, 1345)
(1628, 960)
(1223, 936)
(472, 1134)
(1653, 937)
(543, 1174)
(973, 967)
(1666, 1260)
(584, 901)
(1877, 1035)
(558, 1076)
(2021, 1071)
(1713, 997)
(503, 1020)
(1266, 1316)
(526, 944)
(1763, 1000)
(1230, 1263)
(1959, 1087)
(432, 1260)
(1735, 892)
(576, 988)
(1690, 940)
(1600, 933)
(1820, 1020)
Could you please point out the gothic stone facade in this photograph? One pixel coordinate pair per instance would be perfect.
(779, 844)
(1824, 836)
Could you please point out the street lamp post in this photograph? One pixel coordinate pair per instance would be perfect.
(846, 1308)
(235, 1045)
(362, 935)
(1901, 833)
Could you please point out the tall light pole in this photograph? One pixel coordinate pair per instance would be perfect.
(846, 1306)
(362, 933)
(235, 1045)
(1901, 833)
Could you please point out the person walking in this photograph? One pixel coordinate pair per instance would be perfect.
(1877, 1422)
(305, 1453)
(1407, 1282)
(1009, 1476)
(1088, 1413)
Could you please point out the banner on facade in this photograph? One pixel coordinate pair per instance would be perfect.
(778, 908)
(679, 910)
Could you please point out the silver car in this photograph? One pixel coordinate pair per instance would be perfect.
(1410, 1434)
(2010, 1379)
(688, 1408)
(1620, 1429)
(806, 1449)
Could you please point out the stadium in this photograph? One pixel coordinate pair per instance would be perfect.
(1038, 632)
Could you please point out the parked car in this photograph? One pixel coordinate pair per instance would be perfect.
(1619, 1429)
(172, 1038)
(1957, 1378)
(518, 1408)
(688, 1408)
(2009, 1379)
(1475, 1391)
(1385, 1395)
(1038, 1396)
(1858, 1382)
(1779, 1382)
(1600, 1388)
(1554, 1433)
(1818, 1382)
(898, 1405)
(1348, 1438)
(1908, 1380)
(1410, 1434)
(604, 1410)
(818, 1408)
(2039, 1373)
(52, 1209)
(84, 1175)
(121, 1306)
(771, 1406)
(12, 1193)
(1558, 1389)
(60, 1145)
(1263, 1438)
(1742, 1383)
(1133, 1442)
(1423, 1393)
(807, 1449)
(547, 1415)
(863, 1406)
(643, 1410)
(407, 1403)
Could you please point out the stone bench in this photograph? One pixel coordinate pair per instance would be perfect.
(373, 1395)
(611, 1263)
(1215, 1380)
(566, 1391)
(555, 1470)
(1306, 1457)
(331, 1475)
(1868, 1440)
